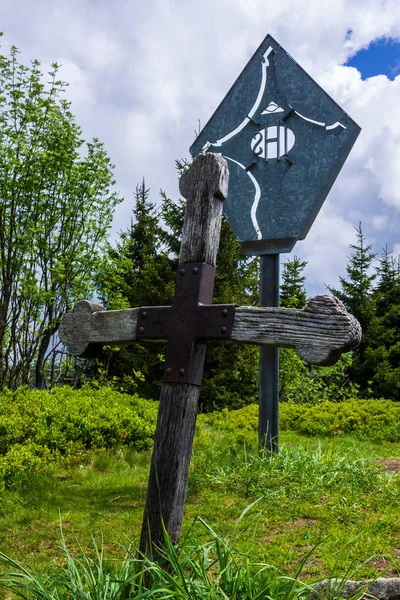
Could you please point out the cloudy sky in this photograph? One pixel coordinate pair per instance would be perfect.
(144, 73)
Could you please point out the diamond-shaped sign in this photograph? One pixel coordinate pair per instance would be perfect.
(285, 141)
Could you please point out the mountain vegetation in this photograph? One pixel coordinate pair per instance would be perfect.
(57, 204)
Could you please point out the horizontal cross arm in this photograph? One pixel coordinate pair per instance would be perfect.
(320, 332)
(89, 326)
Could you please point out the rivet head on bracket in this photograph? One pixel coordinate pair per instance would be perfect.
(181, 371)
(224, 312)
(195, 271)
(223, 329)
(169, 371)
(144, 315)
(141, 329)
(182, 271)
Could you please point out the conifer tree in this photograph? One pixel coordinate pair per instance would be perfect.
(137, 272)
(293, 293)
(357, 294)
(231, 370)
(382, 353)
(140, 270)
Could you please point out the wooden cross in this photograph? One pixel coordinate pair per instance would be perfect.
(320, 333)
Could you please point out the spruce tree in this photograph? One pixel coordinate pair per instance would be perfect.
(293, 293)
(382, 352)
(231, 370)
(357, 294)
(137, 272)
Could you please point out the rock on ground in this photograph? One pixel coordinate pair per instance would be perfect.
(381, 588)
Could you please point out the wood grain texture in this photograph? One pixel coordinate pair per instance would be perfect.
(170, 462)
(320, 333)
(205, 186)
(89, 326)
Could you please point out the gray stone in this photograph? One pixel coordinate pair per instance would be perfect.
(381, 588)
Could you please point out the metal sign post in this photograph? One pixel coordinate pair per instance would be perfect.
(268, 409)
(285, 141)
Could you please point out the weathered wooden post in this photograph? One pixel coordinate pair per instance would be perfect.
(320, 332)
(205, 186)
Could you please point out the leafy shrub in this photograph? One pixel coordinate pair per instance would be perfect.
(301, 383)
(377, 420)
(37, 426)
(21, 461)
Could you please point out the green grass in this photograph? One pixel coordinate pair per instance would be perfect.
(337, 495)
(190, 571)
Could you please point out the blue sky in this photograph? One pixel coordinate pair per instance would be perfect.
(381, 57)
(142, 74)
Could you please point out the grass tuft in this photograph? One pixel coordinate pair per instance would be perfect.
(212, 570)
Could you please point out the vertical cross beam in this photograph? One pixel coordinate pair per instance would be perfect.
(204, 186)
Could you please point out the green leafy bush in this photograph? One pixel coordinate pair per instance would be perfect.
(37, 426)
(375, 420)
(302, 383)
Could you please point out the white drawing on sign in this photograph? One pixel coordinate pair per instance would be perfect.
(238, 129)
(272, 108)
(336, 125)
(273, 142)
(256, 197)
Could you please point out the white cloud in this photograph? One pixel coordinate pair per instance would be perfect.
(143, 73)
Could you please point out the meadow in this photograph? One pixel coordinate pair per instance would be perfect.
(73, 473)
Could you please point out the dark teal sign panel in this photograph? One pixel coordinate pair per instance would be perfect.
(285, 141)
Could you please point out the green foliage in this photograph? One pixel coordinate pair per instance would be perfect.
(137, 272)
(39, 427)
(299, 472)
(301, 383)
(375, 420)
(293, 293)
(356, 290)
(337, 489)
(56, 209)
(231, 370)
(375, 368)
(381, 361)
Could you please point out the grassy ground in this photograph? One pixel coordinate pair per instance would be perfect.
(340, 495)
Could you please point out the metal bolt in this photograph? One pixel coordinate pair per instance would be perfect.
(144, 315)
(182, 272)
(223, 329)
(195, 271)
(224, 312)
(141, 329)
(181, 371)
(169, 370)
